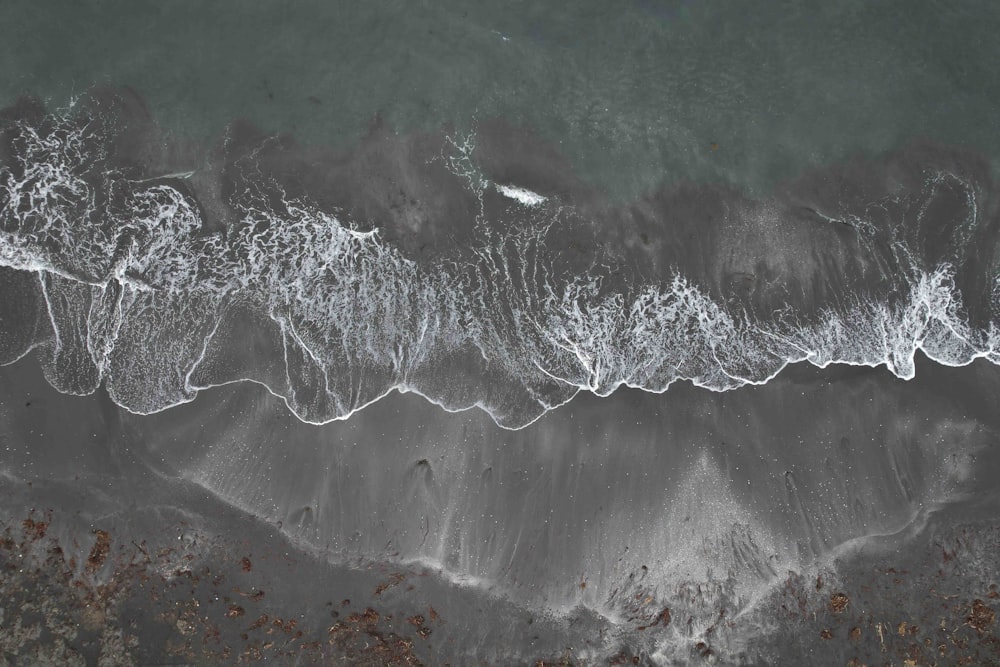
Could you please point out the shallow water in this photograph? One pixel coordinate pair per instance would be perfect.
(635, 94)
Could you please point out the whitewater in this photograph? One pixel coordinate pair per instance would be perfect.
(135, 287)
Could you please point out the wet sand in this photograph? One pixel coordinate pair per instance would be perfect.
(706, 504)
(483, 487)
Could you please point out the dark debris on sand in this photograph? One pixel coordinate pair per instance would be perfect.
(917, 612)
(131, 603)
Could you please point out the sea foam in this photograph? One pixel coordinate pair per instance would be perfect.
(144, 293)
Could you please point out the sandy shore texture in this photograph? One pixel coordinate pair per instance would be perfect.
(432, 399)
(828, 513)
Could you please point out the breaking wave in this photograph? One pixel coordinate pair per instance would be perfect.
(485, 282)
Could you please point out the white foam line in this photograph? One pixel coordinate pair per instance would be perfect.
(52, 318)
(176, 174)
(24, 354)
(591, 338)
(402, 387)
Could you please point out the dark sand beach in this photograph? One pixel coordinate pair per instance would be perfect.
(741, 514)
(664, 334)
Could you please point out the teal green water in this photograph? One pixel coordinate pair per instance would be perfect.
(636, 93)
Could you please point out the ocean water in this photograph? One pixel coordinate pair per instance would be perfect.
(503, 333)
